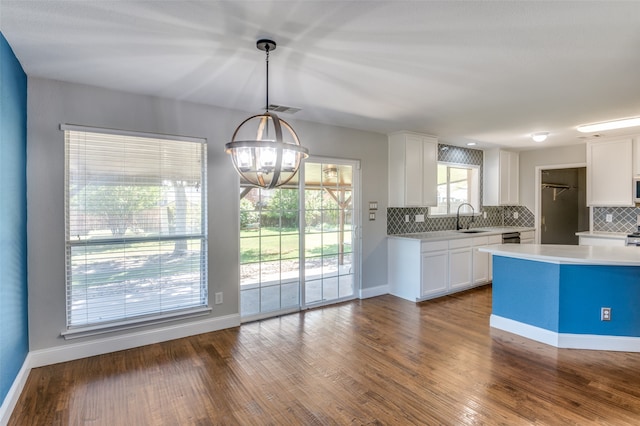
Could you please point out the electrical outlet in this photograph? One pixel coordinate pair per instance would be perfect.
(218, 300)
(484, 215)
(605, 314)
(609, 218)
(515, 215)
(419, 218)
(406, 218)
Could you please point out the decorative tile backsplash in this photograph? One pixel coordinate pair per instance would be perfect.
(623, 219)
(496, 216)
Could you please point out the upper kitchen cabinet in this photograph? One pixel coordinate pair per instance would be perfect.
(610, 173)
(413, 167)
(500, 171)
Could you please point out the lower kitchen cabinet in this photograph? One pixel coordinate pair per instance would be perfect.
(435, 277)
(527, 237)
(493, 240)
(460, 264)
(480, 261)
(424, 270)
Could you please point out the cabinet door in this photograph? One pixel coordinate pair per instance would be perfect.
(429, 171)
(501, 177)
(480, 261)
(509, 169)
(413, 164)
(493, 240)
(610, 173)
(413, 171)
(434, 273)
(460, 273)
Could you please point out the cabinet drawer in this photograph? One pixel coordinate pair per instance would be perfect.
(434, 246)
(527, 235)
(495, 239)
(480, 241)
(463, 242)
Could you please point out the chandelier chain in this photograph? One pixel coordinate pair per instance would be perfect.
(267, 88)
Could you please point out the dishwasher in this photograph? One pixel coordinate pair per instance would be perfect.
(511, 238)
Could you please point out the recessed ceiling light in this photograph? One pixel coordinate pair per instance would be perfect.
(471, 144)
(609, 125)
(540, 136)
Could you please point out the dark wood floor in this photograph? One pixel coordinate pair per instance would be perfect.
(377, 361)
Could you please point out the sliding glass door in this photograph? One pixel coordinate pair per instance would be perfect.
(298, 245)
(329, 233)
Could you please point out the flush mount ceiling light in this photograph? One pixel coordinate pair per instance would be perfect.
(265, 150)
(540, 136)
(609, 125)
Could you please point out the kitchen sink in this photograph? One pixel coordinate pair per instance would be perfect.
(471, 231)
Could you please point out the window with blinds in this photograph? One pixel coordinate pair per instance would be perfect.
(136, 231)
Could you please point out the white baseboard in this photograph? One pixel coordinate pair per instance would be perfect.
(15, 390)
(366, 293)
(565, 340)
(94, 347)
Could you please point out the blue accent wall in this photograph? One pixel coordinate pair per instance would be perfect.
(14, 333)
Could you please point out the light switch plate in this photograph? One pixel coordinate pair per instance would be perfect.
(609, 218)
(419, 218)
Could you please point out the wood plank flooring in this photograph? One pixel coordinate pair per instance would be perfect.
(376, 361)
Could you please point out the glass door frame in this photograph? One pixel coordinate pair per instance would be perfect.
(355, 246)
(356, 230)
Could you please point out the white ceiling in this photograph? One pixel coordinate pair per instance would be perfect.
(485, 71)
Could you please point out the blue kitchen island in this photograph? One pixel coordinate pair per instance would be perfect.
(555, 294)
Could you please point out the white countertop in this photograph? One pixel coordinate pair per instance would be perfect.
(601, 234)
(565, 254)
(452, 234)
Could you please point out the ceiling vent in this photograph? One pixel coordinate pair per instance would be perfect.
(282, 108)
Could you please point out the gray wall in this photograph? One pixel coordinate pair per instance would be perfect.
(529, 160)
(51, 103)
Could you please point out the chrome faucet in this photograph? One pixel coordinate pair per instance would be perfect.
(473, 212)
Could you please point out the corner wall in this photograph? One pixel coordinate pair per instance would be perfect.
(14, 337)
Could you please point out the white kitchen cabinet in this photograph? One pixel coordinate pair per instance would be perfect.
(501, 177)
(420, 270)
(480, 261)
(493, 240)
(587, 238)
(460, 264)
(435, 263)
(527, 237)
(610, 173)
(636, 156)
(413, 166)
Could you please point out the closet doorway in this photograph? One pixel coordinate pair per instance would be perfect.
(563, 205)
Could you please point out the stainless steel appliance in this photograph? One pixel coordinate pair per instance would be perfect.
(633, 239)
(511, 238)
(636, 189)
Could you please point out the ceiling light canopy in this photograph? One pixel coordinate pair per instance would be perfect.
(539, 136)
(609, 125)
(265, 150)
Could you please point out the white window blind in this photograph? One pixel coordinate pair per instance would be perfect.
(136, 233)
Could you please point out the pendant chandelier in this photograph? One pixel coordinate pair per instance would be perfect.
(265, 150)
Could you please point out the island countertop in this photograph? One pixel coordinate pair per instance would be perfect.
(568, 254)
